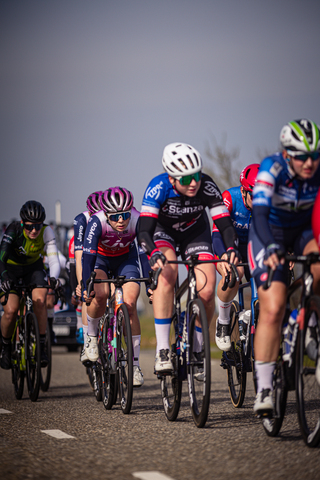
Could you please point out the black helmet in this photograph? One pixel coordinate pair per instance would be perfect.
(32, 211)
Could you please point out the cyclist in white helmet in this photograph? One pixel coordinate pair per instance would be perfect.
(173, 216)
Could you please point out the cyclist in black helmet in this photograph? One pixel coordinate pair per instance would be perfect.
(22, 248)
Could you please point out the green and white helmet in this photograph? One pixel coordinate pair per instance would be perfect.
(300, 136)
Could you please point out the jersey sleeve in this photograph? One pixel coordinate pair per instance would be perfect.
(51, 251)
(90, 246)
(80, 225)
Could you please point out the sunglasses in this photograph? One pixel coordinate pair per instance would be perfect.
(116, 216)
(303, 157)
(187, 179)
(36, 226)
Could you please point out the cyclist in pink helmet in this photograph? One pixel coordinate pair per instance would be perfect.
(109, 247)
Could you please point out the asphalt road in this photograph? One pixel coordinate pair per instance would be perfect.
(104, 444)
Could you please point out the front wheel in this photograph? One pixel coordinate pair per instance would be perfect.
(199, 363)
(33, 362)
(237, 375)
(18, 363)
(308, 374)
(273, 425)
(124, 358)
(46, 371)
(171, 388)
(108, 379)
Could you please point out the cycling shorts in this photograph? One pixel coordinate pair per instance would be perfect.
(29, 274)
(194, 241)
(290, 240)
(127, 264)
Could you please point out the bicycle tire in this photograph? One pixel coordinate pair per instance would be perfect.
(33, 361)
(108, 379)
(171, 385)
(272, 425)
(307, 386)
(256, 317)
(237, 375)
(97, 381)
(46, 371)
(18, 364)
(90, 376)
(199, 366)
(124, 358)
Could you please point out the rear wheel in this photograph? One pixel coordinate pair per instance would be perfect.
(124, 358)
(18, 363)
(46, 371)
(237, 375)
(199, 365)
(308, 376)
(33, 362)
(272, 425)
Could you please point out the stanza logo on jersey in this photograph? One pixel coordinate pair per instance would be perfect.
(154, 192)
(174, 209)
(211, 189)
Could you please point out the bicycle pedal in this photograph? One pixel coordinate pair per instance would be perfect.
(265, 414)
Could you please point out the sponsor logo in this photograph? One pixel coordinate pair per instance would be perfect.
(211, 189)
(91, 232)
(154, 192)
(80, 235)
(176, 209)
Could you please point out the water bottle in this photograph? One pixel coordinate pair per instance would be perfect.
(246, 323)
(289, 337)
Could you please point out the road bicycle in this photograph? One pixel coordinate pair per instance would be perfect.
(114, 368)
(25, 345)
(299, 369)
(239, 360)
(190, 350)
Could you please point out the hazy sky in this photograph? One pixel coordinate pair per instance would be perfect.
(92, 90)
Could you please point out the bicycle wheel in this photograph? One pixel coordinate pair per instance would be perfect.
(199, 365)
(33, 363)
(124, 358)
(96, 376)
(18, 363)
(108, 379)
(90, 376)
(46, 371)
(307, 386)
(237, 375)
(272, 425)
(171, 385)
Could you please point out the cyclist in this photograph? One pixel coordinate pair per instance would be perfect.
(80, 224)
(21, 256)
(238, 200)
(109, 246)
(173, 217)
(283, 197)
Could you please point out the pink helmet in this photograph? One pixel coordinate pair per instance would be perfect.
(116, 199)
(93, 202)
(248, 176)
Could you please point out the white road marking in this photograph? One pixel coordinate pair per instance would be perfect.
(2, 410)
(151, 476)
(57, 434)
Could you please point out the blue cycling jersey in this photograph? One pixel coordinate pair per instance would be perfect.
(289, 198)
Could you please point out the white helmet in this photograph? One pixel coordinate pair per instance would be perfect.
(180, 159)
(300, 136)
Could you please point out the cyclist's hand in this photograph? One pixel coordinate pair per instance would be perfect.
(6, 285)
(54, 283)
(78, 290)
(157, 260)
(273, 256)
(89, 299)
(150, 295)
(233, 256)
(74, 299)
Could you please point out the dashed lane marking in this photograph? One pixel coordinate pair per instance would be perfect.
(57, 434)
(3, 410)
(151, 476)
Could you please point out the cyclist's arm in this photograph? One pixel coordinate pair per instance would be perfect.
(51, 252)
(260, 217)
(228, 233)
(145, 230)
(90, 247)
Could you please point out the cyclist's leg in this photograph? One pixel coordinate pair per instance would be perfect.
(94, 313)
(7, 328)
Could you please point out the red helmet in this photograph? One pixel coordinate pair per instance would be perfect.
(248, 176)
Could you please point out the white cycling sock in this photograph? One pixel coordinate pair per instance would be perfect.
(162, 328)
(224, 312)
(85, 333)
(136, 340)
(264, 375)
(93, 325)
